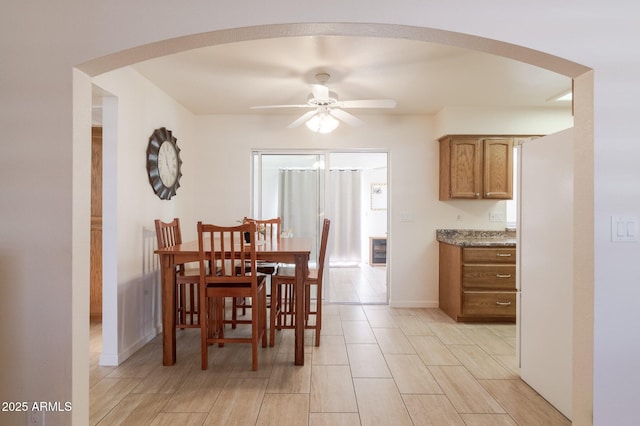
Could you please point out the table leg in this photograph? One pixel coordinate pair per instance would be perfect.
(168, 311)
(301, 272)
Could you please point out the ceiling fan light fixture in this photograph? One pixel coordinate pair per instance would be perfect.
(326, 111)
(322, 122)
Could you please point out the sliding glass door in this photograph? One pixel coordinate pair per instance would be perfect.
(304, 188)
(291, 186)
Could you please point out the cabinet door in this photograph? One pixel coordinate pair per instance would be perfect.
(498, 169)
(464, 168)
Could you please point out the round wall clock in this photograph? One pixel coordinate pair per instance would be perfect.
(163, 163)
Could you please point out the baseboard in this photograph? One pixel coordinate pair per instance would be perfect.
(137, 345)
(413, 303)
(108, 360)
(115, 360)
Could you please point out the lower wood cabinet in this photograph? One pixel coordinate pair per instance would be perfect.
(478, 283)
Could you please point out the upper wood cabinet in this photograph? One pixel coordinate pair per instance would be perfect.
(476, 167)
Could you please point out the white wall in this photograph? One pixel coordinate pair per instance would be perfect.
(512, 121)
(41, 158)
(132, 314)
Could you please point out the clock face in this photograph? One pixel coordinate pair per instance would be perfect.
(168, 163)
(164, 163)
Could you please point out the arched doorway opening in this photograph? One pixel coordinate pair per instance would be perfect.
(583, 133)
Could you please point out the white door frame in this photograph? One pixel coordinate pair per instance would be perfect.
(256, 195)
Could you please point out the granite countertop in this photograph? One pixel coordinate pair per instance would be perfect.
(476, 238)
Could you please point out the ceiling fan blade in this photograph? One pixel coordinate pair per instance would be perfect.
(369, 103)
(320, 91)
(346, 117)
(280, 106)
(303, 118)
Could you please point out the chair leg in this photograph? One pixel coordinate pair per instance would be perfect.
(219, 315)
(204, 333)
(285, 306)
(307, 303)
(274, 312)
(213, 317)
(256, 328)
(193, 311)
(183, 305)
(262, 323)
(234, 312)
(291, 311)
(318, 315)
(179, 306)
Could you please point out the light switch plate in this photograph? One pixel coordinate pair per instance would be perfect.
(406, 216)
(624, 229)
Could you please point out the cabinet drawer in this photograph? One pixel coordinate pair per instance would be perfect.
(489, 303)
(489, 277)
(489, 255)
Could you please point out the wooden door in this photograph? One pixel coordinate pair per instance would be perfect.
(95, 289)
(498, 169)
(464, 169)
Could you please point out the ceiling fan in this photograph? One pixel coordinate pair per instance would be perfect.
(327, 111)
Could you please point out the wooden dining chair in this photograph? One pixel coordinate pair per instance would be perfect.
(186, 290)
(282, 310)
(220, 279)
(267, 230)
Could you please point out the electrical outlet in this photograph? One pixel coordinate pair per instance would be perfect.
(35, 418)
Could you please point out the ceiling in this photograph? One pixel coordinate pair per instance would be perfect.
(422, 77)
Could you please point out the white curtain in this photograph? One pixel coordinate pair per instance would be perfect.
(299, 207)
(298, 203)
(345, 216)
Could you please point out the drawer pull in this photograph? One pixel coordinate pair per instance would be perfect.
(503, 275)
(503, 303)
(503, 254)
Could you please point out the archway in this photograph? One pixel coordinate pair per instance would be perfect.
(583, 196)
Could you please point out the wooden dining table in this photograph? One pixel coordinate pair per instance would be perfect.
(294, 251)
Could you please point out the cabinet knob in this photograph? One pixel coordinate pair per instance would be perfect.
(503, 303)
(503, 275)
(503, 254)
(477, 195)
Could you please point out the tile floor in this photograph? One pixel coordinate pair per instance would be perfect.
(357, 284)
(375, 366)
